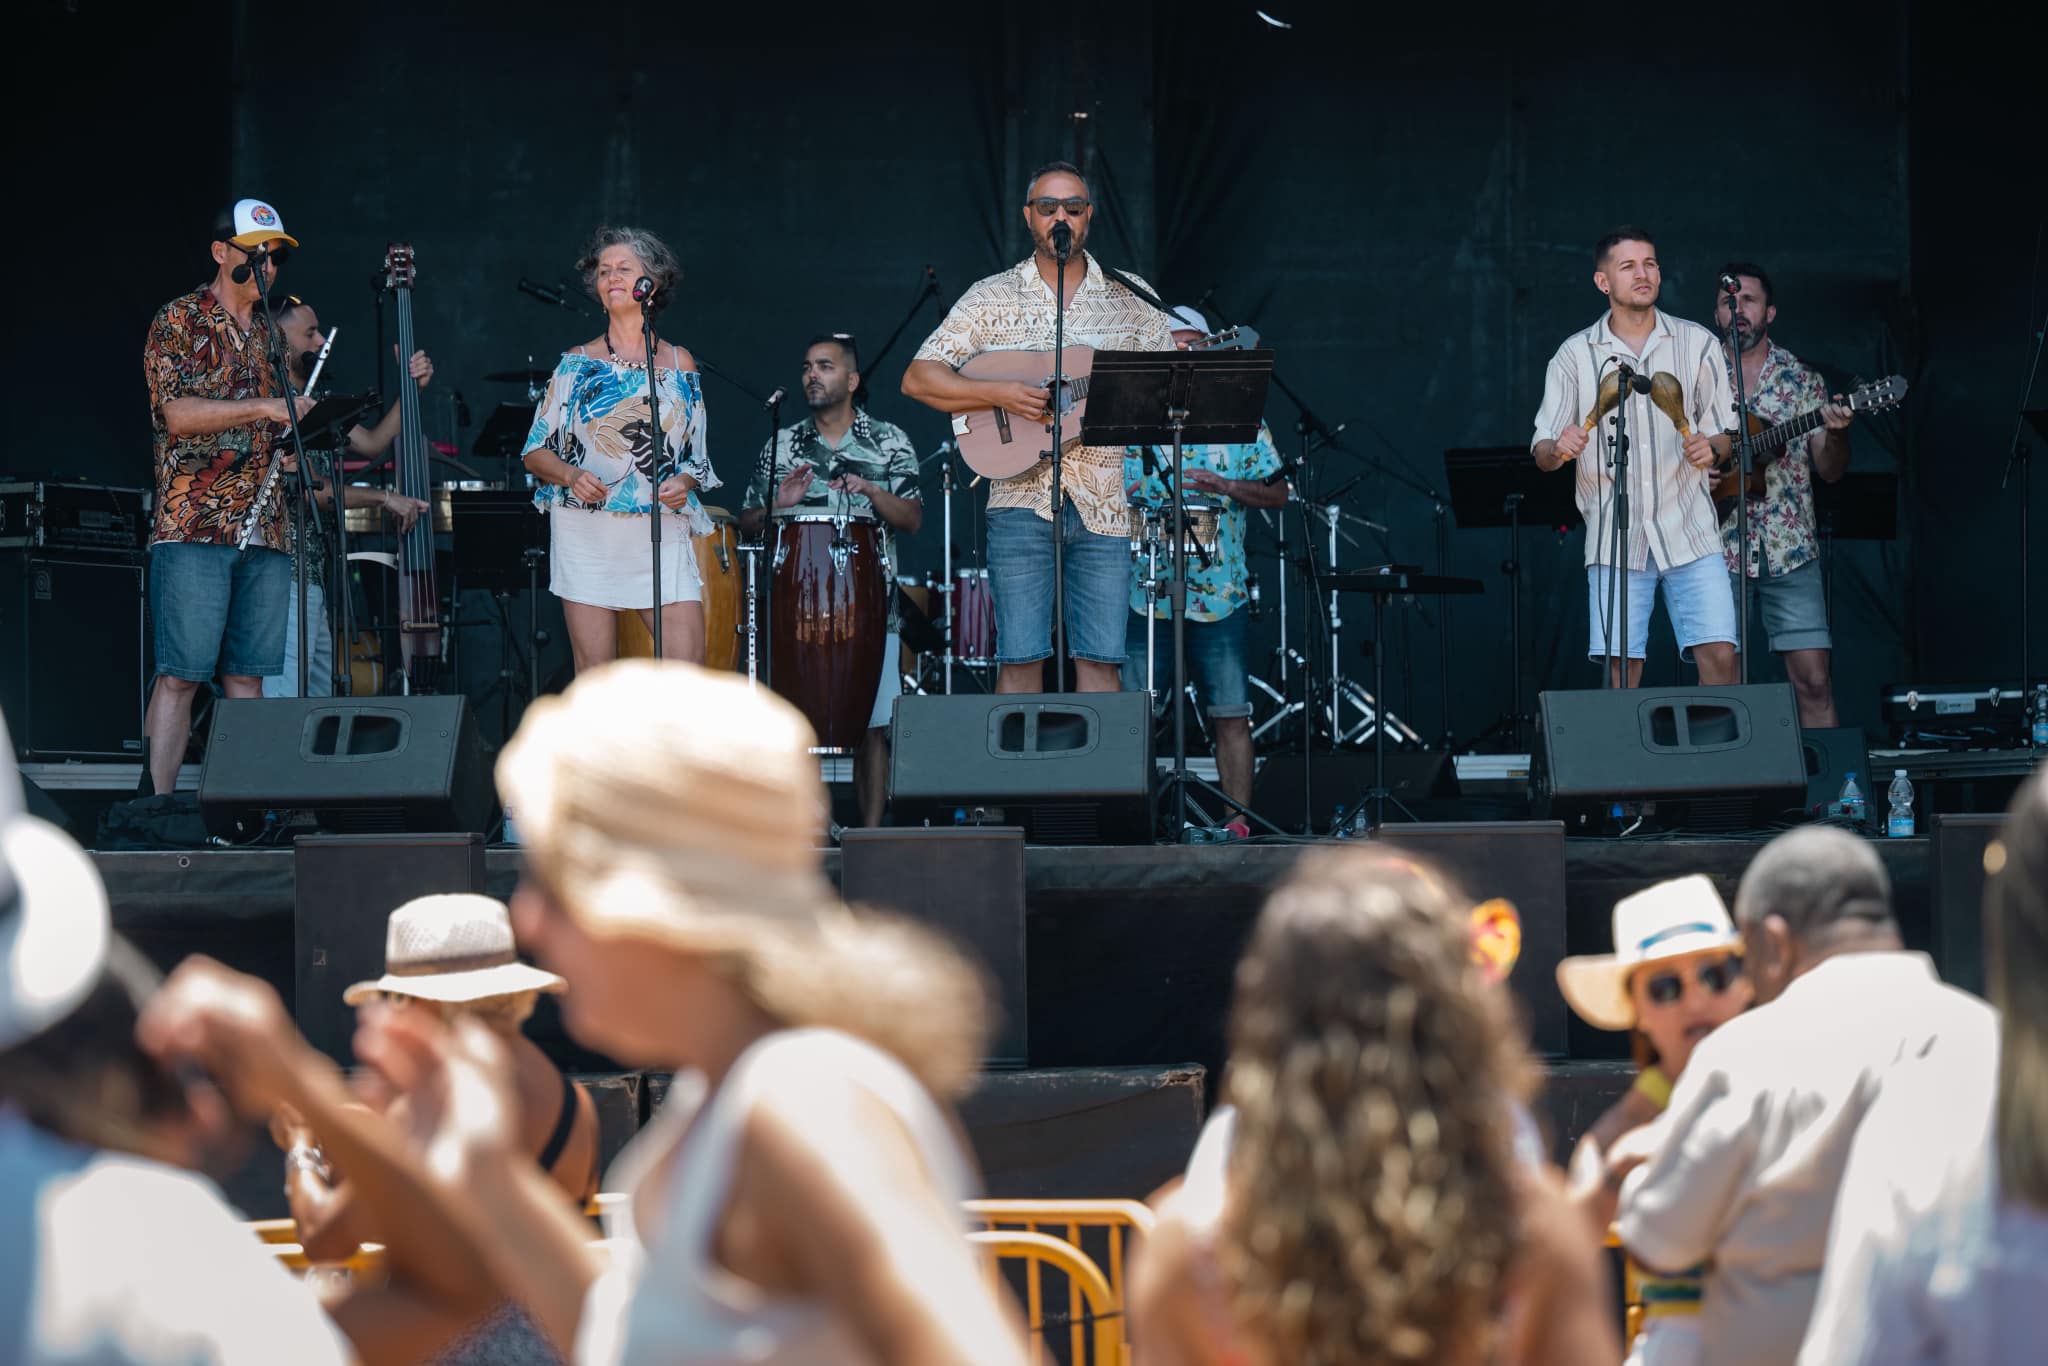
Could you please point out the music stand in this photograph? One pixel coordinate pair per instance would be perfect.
(1856, 507)
(327, 424)
(503, 435)
(492, 532)
(1493, 486)
(1170, 398)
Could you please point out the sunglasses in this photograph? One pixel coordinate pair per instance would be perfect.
(1716, 977)
(1048, 207)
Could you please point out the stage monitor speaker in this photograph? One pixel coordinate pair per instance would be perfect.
(1521, 862)
(369, 765)
(1710, 758)
(348, 885)
(1832, 754)
(968, 884)
(1957, 891)
(1340, 780)
(72, 638)
(1068, 768)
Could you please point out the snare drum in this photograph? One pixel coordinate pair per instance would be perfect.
(974, 619)
(830, 620)
(718, 566)
(1201, 525)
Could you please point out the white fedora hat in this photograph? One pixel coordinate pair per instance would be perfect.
(53, 915)
(1669, 920)
(453, 947)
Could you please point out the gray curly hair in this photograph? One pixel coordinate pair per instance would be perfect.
(654, 253)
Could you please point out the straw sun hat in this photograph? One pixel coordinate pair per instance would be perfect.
(1669, 920)
(455, 947)
(659, 797)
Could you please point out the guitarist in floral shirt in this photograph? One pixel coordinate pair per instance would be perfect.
(1783, 560)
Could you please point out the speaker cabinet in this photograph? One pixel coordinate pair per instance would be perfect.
(1067, 768)
(1522, 862)
(1957, 891)
(72, 633)
(968, 884)
(1711, 758)
(374, 765)
(348, 885)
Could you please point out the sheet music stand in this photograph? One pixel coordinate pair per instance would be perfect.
(1493, 486)
(1856, 507)
(503, 435)
(327, 424)
(1170, 398)
(497, 541)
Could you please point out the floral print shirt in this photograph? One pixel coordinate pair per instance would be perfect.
(1216, 589)
(1781, 522)
(594, 416)
(206, 486)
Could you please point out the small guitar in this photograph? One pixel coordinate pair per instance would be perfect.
(1767, 443)
(997, 445)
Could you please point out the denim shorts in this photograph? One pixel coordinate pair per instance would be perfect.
(1794, 607)
(1216, 658)
(1696, 595)
(319, 647)
(218, 610)
(1098, 586)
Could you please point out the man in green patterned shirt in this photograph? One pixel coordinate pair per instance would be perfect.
(840, 458)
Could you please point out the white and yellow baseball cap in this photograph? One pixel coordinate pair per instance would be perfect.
(251, 223)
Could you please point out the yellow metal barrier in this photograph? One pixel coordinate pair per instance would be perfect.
(1093, 1320)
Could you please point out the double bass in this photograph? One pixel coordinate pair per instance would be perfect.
(419, 598)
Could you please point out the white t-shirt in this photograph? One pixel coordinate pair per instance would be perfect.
(110, 1260)
(1750, 1152)
(1925, 1263)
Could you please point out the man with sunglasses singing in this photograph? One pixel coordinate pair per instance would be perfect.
(217, 411)
(1015, 311)
(1745, 1163)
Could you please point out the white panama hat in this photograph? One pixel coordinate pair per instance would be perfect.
(452, 947)
(1669, 920)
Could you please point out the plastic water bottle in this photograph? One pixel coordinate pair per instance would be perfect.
(2041, 716)
(1361, 825)
(511, 832)
(1850, 802)
(1338, 830)
(1900, 823)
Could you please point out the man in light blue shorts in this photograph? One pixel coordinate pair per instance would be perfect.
(1673, 537)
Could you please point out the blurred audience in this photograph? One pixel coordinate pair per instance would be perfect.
(1745, 1163)
(1939, 1248)
(1359, 1199)
(1675, 975)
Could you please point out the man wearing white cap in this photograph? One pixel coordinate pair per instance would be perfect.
(1747, 1160)
(1236, 477)
(217, 410)
(108, 1253)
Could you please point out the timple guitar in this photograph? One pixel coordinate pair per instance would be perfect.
(1767, 443)
(997, 445)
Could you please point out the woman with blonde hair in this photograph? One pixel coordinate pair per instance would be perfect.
(1370, 1206)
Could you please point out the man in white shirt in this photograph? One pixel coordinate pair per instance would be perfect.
(1746, 1162)
(1667, 378)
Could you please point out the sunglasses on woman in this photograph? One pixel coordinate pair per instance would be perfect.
(1715, 977)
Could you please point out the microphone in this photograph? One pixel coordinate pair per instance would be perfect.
(1730, 284)
(547, 294)
(1251, 589)
(254, 256)
(643, 290)
(775, 399)
(1630, 380)
(1062, 240)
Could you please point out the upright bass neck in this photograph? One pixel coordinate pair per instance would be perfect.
(419, 597)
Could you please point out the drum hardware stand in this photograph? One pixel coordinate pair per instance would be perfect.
(760, 598)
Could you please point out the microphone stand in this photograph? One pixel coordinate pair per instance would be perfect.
(1742, 499)
(2021, 453)
(273, 343)
(1618, 539)
(760, 599)
(647, 311)
(1059, 511)
(927, 289)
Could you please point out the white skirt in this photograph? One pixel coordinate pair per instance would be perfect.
(602, 558)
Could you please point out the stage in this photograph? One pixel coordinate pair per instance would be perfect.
(1129, 958)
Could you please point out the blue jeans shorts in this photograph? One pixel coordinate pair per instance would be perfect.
(218, 610)
(1098, 585)
(1695, 594)
(1216, 658)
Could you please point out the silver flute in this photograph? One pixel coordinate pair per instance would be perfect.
(269, 489)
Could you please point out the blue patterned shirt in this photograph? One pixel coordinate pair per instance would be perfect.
(1217, 589)
(594, 416)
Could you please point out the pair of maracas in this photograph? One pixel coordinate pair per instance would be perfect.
(1664, 393)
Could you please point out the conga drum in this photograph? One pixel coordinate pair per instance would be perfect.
(830, 620)
(718, 565)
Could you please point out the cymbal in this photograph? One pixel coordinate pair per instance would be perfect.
(519, 376)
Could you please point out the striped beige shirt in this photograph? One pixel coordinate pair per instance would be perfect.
(1013, 311)
(1671, 506)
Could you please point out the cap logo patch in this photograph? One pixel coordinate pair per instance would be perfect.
(262, 215)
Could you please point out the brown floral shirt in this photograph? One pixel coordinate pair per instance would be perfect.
(1014, 311)
(1781, 535)
(206, 485)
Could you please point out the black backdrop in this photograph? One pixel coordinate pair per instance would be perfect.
(1402, 203)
